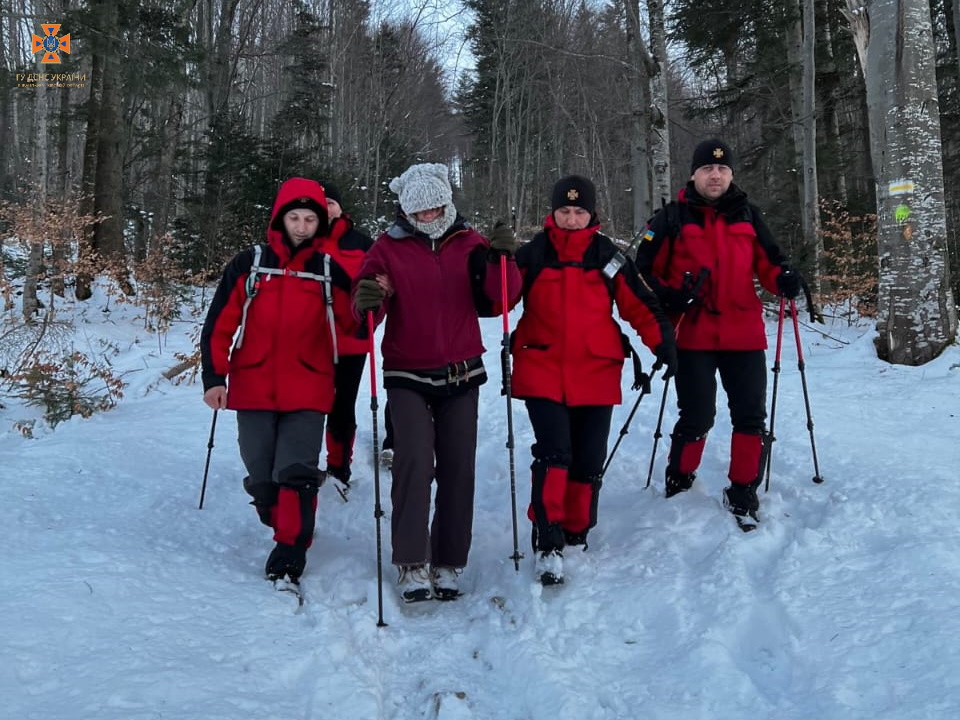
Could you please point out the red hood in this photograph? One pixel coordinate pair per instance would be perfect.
(295, 189)
(570, 244)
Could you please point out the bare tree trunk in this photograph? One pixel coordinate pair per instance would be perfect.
(165, 168)
(58, 253)
(639, 106)
(917, 315)
(811, 193)
(31, 302)
(87, 246)
(836, 181)
(660, 106)
(108, 192)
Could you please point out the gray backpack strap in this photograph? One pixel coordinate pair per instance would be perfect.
(251, 286)
(328, 292)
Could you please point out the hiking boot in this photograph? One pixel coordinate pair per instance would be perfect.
(414, 583)
(445, 582)
(386, 458)
(743, 503)
(286, 560)
(678, 482)
(575, 538)
(549, 567)
(340, 472)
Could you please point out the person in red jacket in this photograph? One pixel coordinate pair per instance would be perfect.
(432, 276)
(701, 254)
(278, 374)
(347, 246)
(568, 353)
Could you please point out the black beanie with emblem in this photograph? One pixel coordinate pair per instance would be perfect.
(711, 152)
(575, 190)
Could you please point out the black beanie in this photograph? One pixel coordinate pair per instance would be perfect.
(332, 192)
(577, 191)
(712, 152)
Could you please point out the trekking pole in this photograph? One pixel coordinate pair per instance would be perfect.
(656, 433)
(377, 510)
(505, 369)
(644, 390)
(206, 466)
(817, 478)
(766, 452)
(695, 286)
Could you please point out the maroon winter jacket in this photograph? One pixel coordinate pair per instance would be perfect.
(285, 359)
(440, 288)
(567, 346)
(730, 240)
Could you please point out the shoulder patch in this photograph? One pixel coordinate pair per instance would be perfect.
(648, 236)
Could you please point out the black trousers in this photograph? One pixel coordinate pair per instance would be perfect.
(342, 421)
(744, 377)
(574, 437)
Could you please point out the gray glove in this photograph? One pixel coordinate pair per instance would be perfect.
(502, 240)
(368, 295)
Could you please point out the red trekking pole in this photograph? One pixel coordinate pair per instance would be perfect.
(377, 510)
(505, 369)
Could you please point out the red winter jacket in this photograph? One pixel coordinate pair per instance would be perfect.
(440, 289)
(567, 346)
(730, 240)
(347, 247)
(285, 360)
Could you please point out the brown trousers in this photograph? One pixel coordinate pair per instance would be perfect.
(433, 432)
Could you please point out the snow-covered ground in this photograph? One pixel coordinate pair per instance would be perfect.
(121, 600)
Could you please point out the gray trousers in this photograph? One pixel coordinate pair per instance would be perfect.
(428, 429)
(276, 447)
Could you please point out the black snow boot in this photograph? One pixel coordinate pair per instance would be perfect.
(678, 482)
(742, 501)
(286, 560)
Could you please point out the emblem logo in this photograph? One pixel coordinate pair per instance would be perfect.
(50, 44)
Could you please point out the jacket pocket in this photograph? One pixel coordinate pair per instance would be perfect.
(606, 345)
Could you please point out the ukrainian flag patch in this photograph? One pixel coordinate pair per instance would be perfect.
(648, 235)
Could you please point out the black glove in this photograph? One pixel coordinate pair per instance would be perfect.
(678, 300)
(502, 240)
(666, 353)
(789, 282)
(368, 295)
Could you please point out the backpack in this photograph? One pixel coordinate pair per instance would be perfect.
(252, 287)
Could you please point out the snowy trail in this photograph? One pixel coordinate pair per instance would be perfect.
(122, 601)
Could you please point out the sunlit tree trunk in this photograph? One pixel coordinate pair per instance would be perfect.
(916, 315)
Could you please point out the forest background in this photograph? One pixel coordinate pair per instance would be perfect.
(145, 140)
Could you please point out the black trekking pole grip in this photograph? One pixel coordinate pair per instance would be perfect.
(206, 466)
(377, 510)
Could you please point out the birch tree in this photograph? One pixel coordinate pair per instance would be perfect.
(659, 105)
(917, 316)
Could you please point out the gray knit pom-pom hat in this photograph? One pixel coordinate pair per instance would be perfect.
(423, 187)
